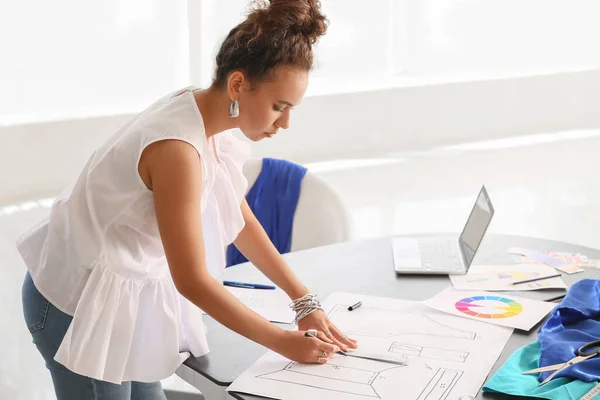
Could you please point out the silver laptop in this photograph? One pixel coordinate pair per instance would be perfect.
(445, 255)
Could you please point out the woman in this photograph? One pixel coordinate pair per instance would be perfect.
(120, 271)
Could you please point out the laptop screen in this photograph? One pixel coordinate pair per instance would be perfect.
(477, 224)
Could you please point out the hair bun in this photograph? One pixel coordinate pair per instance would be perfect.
(297, 16)
(275, 33)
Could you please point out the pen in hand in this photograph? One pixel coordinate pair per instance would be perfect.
(373, 357)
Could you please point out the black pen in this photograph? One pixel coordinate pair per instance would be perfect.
(540, 278)
(354, 306)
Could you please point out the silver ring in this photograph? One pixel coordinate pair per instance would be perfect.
(343, 337)
(313, 332)
(328, 334)
(318, 360)
(324, 354)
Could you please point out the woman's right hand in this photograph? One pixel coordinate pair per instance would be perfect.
(306, 350)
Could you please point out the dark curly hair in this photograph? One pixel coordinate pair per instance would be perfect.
(281, 33)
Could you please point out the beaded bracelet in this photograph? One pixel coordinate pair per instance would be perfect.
(305, 305)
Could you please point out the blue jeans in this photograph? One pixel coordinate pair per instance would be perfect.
(48, 326)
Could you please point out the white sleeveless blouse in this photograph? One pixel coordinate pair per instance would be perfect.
(99, 257)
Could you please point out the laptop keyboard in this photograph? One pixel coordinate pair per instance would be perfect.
(439, 254)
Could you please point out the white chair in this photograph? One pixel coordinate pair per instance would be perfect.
(321, 216)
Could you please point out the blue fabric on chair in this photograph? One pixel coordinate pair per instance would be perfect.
(273, 199)
(571, 325)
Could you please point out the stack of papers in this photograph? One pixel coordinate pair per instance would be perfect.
(501, 277)
(448, 356)
(569, 263)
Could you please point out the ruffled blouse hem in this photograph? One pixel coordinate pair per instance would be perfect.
(125, 329)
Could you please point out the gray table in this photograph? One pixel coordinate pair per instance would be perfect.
(366, 267)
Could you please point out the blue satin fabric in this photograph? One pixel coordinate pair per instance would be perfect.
(273, 199)
(572, 324)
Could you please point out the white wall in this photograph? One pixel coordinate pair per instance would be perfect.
(40, 159)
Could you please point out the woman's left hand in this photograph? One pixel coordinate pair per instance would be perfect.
(319, 321)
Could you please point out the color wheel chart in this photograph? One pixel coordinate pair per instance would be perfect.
(489, 307)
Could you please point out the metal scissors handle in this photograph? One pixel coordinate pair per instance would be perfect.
(586, 351)
(589, 349)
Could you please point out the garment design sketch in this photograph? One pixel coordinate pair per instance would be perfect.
(379, 323)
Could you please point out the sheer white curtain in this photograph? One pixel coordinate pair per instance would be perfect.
(378, 42)
(495, 37)
(78, 58)
(75, 58)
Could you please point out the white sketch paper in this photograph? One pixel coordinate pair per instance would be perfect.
(448, 356)
(500, 277)
(271, 304)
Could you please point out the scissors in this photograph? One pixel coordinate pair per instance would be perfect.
(586, 351)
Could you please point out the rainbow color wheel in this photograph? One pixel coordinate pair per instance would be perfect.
(494, 307)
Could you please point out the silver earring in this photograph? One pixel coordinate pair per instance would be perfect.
(234, 109)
